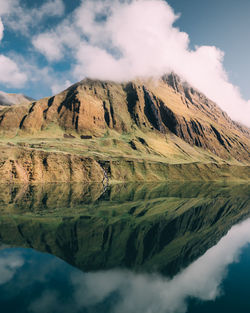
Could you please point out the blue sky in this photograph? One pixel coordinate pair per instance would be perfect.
(225, 24)
(55, 43)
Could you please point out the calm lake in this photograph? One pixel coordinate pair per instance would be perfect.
(132, 248)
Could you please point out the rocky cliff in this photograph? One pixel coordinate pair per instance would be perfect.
(25, 165)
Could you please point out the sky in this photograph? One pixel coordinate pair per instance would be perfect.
(45, 46)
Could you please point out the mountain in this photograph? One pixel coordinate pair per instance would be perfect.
(8, 99)
(140, 130)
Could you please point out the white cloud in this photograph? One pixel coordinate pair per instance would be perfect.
(10, 73)
(55, 44)
(22, 19)
(122, 40)
(58, 87)
(19, 18)
(1, 30)
(49, 8)
(7, 5)
(49, 45)
(38, 78)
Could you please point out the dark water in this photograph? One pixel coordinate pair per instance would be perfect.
(151, 248)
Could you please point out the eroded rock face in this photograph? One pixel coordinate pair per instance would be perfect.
(167, 106)
(12, 118)
(27, 165)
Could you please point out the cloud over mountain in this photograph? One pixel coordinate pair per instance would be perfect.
(123, 40)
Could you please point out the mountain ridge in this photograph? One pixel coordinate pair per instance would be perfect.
(9, 99)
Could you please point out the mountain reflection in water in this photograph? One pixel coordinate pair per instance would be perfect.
(147, 248)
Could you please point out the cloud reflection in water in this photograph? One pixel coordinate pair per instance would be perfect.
(118, 291)
(152, 293)
(9, 264)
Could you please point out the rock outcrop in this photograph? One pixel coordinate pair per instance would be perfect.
(25, 165)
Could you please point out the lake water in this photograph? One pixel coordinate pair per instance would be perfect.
(135, 248)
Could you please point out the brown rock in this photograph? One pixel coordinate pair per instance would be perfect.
(40, 166)
(69, 136)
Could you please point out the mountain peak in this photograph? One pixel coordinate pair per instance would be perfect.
(9, 99)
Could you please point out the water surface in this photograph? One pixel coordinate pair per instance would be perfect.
(162, 248)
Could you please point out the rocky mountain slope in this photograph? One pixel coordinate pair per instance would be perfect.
(164, 122)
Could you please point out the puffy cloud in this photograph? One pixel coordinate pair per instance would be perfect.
(49, 45)
(7, 6)
(22, 19)
(37, 78)
(57, 87)
(1, 30)
(49, 8)
(10, 73)
(123, 40)
(135, 40)
(53, 44)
